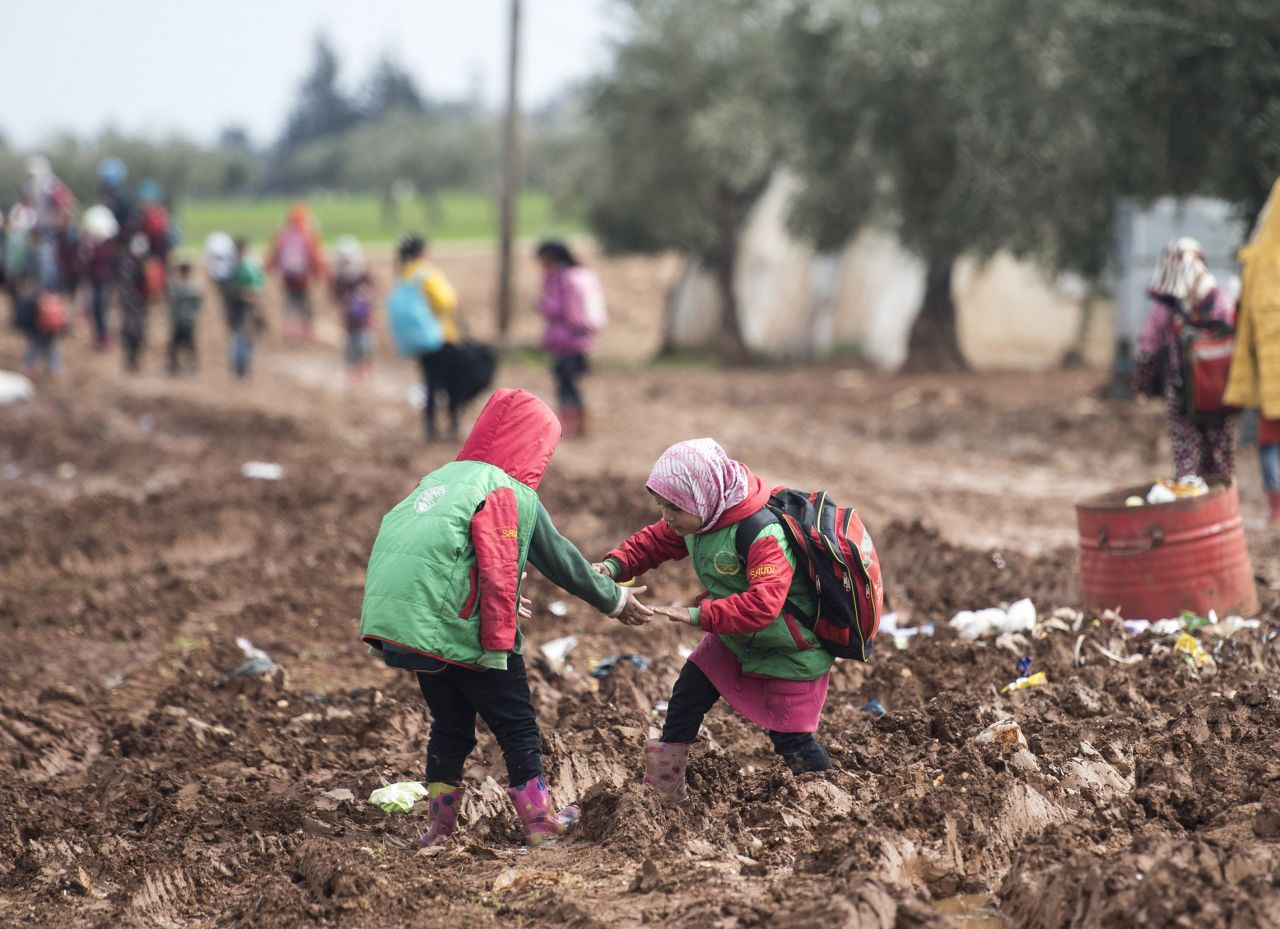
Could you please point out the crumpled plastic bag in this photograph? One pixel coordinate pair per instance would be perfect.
(1019, 617)
(1035, 680)
(398, 798)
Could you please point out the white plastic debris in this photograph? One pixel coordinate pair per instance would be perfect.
(973, 624)
(416, 396)
(557, 650)
(1160, 494)
(558, 608)
(262, 470)
(14, 388)
(256, 662)
(1006, 733)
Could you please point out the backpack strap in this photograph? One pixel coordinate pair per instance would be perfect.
(746, 533)
(749, 528)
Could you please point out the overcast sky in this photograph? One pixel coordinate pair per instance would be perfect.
(199, 65)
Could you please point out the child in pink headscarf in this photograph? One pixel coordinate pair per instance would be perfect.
(757, 654)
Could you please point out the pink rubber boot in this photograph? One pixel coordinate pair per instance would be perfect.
(444, 812)
(664, 764)
(541, 822)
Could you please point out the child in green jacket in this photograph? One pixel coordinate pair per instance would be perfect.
(767, 664)
(442, 599)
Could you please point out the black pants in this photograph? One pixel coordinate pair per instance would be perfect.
(568, 369)
(182, 342)
(455, 695)
(694, 695)
(436, 374)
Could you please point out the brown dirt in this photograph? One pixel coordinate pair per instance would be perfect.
(140, 790)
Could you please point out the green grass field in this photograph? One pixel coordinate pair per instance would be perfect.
(461, 216)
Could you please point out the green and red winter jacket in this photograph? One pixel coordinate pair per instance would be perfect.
(745, 604)
(444, 576)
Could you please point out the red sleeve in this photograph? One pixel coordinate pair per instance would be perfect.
(648, 548)
(768, 578)
(495, 534)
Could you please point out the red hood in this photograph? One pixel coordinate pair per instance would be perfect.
(757, 496)
(516, 432)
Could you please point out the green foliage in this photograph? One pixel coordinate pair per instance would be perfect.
(684, 134)
(1016, 124)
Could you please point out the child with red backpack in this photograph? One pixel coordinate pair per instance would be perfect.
(442, 600)
(771, 640)
(296, 253)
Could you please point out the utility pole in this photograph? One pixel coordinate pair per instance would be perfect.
(510, 175)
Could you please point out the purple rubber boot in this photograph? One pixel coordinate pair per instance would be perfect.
(664, 764)
(541, 822)
(444, 812)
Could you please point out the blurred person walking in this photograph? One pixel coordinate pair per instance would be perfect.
(1184, 294)
(572, 303)
(295, 252)
(353, 292)
(244, 311)
(100, 229)
(1255, 367)
(40, 315)
(131, 281)
(438, 364)
(185, 300)
(162, 235)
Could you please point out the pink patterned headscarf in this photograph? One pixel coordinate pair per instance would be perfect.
(700, 478)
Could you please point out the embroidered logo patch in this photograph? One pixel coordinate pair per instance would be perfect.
(428, 498)
(726, 563)
(763, 570)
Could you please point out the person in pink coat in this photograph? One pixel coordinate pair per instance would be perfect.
(572, 303)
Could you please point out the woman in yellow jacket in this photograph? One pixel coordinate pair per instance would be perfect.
(437, 366)
(1255, 367)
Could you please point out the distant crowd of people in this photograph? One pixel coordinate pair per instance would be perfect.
(112, 261)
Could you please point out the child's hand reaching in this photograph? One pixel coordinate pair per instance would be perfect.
(634, 613)
(601, 568)
(677, 614)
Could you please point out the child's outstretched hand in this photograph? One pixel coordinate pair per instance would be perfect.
(601, 568)
(634, 613)
(677, 614)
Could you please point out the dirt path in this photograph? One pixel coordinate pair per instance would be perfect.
(142, 789)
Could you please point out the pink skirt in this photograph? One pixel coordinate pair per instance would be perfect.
(776, 704)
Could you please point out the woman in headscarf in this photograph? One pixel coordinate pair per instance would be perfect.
(767, 664)
(1255, 368)
(1183, 292)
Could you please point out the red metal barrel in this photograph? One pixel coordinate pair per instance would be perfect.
(1156, 560)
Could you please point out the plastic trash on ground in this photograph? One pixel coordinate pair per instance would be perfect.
(1159, 493)
(557, 650)
(1035, 680)
(605, 666)
(398, 798)
(416, 396)
(558, 608)
(1006, 733)
(256, 662)
(1018, 617)
(262, 470)
(1024, 665)
(1188, 645)
(14, 388)
(874, 707)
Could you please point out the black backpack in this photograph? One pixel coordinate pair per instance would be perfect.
(833, 550)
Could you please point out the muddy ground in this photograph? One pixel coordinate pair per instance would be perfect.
(142, 789)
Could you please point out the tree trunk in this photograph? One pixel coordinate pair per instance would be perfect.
(732, 213)
(1074, 358)
(934, 344)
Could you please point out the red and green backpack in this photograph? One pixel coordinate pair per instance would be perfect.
(834, 550)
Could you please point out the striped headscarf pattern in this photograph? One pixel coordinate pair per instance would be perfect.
(700, 478)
